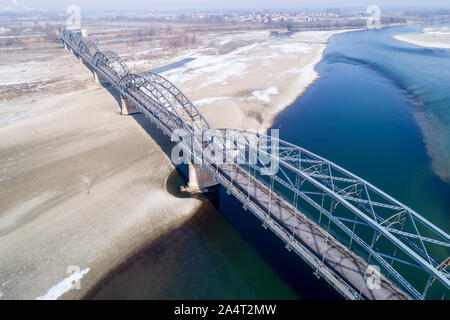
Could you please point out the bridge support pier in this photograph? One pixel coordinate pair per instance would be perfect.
(98, 78)
(127, 107)
(201, 181)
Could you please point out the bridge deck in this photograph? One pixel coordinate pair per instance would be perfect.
(342, 261)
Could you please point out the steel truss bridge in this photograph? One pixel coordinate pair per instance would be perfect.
(363, 242)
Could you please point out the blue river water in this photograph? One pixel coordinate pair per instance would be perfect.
(362, 113)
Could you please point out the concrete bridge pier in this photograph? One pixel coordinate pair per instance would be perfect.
(127, 107)
(201, 181)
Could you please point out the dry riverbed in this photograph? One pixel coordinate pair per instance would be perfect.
(429, 37)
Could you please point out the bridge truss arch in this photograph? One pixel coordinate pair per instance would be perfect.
(369, 222)
(88, 49)
(178, 99)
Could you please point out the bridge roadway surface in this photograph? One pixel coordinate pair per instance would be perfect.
(337, 257)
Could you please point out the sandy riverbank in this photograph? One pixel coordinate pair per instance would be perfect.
(81, 185)
(429, 37)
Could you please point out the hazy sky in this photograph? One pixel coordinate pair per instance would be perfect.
(197, 4)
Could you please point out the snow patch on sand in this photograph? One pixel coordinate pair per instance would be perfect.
(265, 95)
(6, 178)
(63, 286)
